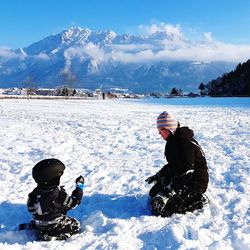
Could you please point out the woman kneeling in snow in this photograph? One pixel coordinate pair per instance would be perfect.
(180, 185)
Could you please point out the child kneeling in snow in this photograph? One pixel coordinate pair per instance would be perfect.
(180, 185)
(48, 203)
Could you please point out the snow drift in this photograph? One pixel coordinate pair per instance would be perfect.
(115, 145)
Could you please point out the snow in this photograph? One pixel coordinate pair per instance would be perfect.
(115, 145)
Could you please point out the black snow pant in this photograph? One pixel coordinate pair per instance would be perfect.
(61, 230)
(165, 202)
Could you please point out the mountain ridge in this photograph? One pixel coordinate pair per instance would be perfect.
(94, 58)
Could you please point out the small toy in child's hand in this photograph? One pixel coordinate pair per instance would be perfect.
(80, 182)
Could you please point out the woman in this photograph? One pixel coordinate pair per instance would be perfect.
(181, 183)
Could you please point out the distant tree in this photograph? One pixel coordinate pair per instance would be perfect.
(238, 67)
(65, 92)
(202, 88)
(233, 83)
(30, 86)
(67, 81)
(180, 91)
(176, 92)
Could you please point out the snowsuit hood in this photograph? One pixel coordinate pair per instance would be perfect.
(184, 134)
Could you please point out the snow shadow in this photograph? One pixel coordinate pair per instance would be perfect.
(11, 215)
(163, 239)
(112, 206)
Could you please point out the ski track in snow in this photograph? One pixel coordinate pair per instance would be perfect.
(115, 145)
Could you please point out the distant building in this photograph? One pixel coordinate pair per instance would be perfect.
(45, 92)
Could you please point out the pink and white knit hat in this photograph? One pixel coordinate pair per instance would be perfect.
(165, 120)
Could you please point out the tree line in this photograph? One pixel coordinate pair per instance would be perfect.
(234, 83)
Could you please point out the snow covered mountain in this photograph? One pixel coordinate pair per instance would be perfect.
(90, 59)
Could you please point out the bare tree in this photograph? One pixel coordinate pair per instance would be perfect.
(67, 81)
(30, 86)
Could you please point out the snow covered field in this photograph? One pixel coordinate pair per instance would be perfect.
(115, 145)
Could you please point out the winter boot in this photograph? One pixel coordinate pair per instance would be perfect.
(158, 204)
(198, 201)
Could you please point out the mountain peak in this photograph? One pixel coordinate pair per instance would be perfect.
(135, 62)
(164, 35)
(74, 33)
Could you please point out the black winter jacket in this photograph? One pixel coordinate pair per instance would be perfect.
(49, 203)
(186, 162)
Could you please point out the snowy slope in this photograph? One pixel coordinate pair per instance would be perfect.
(115, 145)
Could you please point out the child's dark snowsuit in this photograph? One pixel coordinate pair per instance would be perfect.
(48, 203)
(49, 207)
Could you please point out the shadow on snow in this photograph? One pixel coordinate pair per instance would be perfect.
(112, 206)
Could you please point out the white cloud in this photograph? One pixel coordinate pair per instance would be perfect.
(162, 27)
(7, 53)
(43, 56)
(208, 36)
(186, 51)
(132, 47)
(86, 51)
(180, 49)
(212, 51)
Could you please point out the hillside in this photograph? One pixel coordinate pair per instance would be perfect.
(234, 83)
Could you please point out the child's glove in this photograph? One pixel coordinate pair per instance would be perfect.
(80, 182)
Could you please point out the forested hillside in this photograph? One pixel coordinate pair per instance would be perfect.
(234, 83)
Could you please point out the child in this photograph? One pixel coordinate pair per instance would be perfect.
(181, 183)
(48, 203)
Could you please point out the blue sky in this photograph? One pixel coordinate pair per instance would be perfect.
(23, 22)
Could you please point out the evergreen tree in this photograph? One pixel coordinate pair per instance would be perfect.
(234, 83)
(202, 88)
(174, 92)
